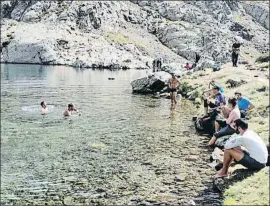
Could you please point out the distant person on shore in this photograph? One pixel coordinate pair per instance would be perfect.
(247, 149)
(187, 66)
(44, 109)
(173, 85)
(219, 99)
(227, 126)
(244, 104)
(69, 110)
(235, 53)
(159, 64)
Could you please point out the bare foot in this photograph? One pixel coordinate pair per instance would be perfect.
(220, 175)
(212, 141)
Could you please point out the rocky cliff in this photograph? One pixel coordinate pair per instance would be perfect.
(130, 33)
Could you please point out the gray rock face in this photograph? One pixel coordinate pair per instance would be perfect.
(148, 85)
(129, 33)
(259, 11)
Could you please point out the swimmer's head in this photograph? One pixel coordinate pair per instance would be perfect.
(43, 104)
(71, 107)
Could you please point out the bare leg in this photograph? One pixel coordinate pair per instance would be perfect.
(171, 95)
(216, 126)
(174, 97)
(229, 155)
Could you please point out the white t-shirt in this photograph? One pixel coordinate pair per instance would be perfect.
(252, 143)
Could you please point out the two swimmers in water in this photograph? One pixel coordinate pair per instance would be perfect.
(67, 112)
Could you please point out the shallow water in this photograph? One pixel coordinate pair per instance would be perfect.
(123, 149)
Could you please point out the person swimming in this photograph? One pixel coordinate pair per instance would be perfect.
(69, 110)
(44, 108)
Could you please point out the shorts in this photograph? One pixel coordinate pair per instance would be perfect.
(227, 130)
(222, 123)
(243, 114)
(172, 90)
(250, 163)
(211, 105)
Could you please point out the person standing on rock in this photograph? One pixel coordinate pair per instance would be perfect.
(173, 85)
(235, 53)
(248, 149)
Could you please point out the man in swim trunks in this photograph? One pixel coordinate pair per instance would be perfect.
(173, 85)
(44, 109)
(68, 111)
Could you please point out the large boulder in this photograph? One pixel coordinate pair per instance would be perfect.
(148, 85)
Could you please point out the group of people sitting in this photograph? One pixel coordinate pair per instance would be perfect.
(67, 112)
(248, 148)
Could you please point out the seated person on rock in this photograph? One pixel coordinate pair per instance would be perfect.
(244, 104)
(187, 66)
(247, 149)
(227, 125)
(219, 99)
(69, 110)
(44, 109)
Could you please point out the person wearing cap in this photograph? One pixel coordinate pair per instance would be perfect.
(227, 126)
(219, 99)
(69, 110)
(173, 85)
(244, 104)
(247, 149)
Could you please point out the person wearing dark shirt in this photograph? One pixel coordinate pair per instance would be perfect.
(235, 53)
(219, 99)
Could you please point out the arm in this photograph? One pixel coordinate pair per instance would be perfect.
(230, 118)
(169, 83)
(234, 142)
(251, 106)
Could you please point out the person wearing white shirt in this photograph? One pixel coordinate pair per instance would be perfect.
(248, 149)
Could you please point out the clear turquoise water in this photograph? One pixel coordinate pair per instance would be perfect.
(123, 149)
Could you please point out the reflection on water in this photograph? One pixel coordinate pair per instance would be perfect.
(124, 146)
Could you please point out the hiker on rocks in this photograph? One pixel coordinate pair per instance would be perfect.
(188, 67)
(154, 64)
(227, 126)
(235, 53)
(219, 99)
(44, 109)
(247, 149)
(244, 104)
(173, 85)
(69, 110)
(159, 64)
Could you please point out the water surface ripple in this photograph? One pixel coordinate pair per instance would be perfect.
(123, 149)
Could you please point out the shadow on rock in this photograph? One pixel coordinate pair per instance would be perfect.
(221, 184)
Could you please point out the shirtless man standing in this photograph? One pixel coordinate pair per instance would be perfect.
(173, 85)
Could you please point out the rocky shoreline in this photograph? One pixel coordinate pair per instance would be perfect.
(191, 90)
